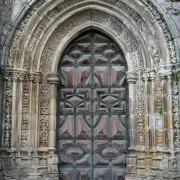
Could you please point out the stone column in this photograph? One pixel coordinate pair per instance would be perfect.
(131, 158)
(37, 81)
(152, 111)
(170, 130)
(19, 106)
(164, 109)
(2, 89)
(52, 80)
(6, 128)
(14, 77)
(31, 119)
(176, 109)
(131, 79)
(140, 118)
(52, 157)
(146, 108)
(176, 103)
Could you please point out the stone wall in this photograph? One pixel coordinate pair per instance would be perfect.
(36, 38)
(5, 22)
(5, 26)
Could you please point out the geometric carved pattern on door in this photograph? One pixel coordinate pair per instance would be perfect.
(91, 118)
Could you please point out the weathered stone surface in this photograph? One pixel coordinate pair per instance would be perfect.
(33, 36)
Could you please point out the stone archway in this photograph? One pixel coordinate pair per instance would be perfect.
(31, 76)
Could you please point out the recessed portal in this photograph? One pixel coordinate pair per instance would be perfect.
(92, 109)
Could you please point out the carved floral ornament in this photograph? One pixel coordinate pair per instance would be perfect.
(51, 25)
(55, 26)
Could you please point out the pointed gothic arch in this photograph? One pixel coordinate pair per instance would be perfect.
(31, 75)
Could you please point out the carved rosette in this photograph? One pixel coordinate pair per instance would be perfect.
(176, 85)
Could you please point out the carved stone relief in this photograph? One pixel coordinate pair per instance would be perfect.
(140, 110)
(159, 111)
(59, 34)
(175, 96)
(25, 112)
(8, 105)
(47, 19)
(166, 32)
(49, 34)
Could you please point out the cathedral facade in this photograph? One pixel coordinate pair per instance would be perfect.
(90, 89)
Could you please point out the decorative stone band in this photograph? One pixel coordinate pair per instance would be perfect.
(37, 77)
(31, 76)
(152, 75)
(53, 78)
(176, 107)
(131, 77)
(49, 17)
(12, 78)
(140, 117)
(44, 112)
(146, 76)
(14, 74)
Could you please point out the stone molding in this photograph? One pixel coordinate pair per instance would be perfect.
(53, 78)
(131, 77)
(51, 26)
(119, 4)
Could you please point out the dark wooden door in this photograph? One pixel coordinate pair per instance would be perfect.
(92, 117)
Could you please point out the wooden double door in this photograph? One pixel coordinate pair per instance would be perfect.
(92, 110)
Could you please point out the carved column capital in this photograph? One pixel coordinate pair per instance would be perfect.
(53, 78)
(146, 76)
(5, 75)
(31, 76)
(131, 77)
(37, 77)
(22, 76)
(152, 75)
(14, 75)
(164, 74)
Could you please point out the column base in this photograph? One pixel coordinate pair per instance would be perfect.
(28, 165)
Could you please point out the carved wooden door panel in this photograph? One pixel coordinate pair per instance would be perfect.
(91, 119)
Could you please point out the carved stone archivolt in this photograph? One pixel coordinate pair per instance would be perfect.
(30, 91)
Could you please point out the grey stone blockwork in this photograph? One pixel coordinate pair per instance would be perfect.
(153, 56)
(5, 23)
(5, 26)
